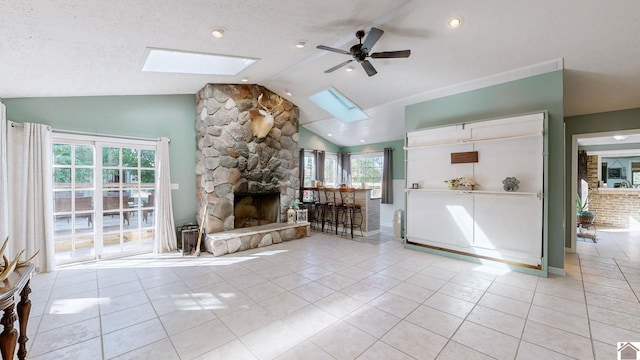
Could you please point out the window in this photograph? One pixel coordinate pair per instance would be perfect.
(309, 169)
(330, 170)
(635, 173)
(367, 169)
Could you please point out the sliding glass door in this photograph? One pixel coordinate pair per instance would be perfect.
(128, 183)
(103, 198)
(73, 200)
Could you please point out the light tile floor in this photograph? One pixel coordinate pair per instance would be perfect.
(328, 297)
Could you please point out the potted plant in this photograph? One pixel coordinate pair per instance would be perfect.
(583, 216)
(464, 183)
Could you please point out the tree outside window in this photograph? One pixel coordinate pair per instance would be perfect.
(309, 169)
(330, 170)
(367, 169)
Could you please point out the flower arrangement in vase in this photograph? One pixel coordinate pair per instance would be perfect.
(461, 183)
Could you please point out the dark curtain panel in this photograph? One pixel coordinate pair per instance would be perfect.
(345, 168)
(387, 176)
(319, 165)
(301, 167)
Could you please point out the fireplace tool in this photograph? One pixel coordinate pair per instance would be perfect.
(204, 217)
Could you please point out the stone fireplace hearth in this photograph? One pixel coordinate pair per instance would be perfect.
(231, 161)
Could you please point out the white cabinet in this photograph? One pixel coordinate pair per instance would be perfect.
(446, 221)
(487, 222)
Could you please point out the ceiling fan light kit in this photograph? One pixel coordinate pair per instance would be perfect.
(361, 51)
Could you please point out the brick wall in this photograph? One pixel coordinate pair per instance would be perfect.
(592, 171)
(615, 207)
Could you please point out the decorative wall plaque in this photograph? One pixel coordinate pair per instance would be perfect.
(464, 157)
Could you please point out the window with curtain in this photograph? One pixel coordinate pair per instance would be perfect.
(367, 169)
(330, 170)
(309, 168)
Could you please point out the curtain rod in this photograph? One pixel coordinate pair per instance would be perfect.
(14, 124)
(74, 132)
(369, 152)
(357, 153)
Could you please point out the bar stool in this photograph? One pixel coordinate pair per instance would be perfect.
(311, 202)
(350, 210)
(316, 214)
(329, 210)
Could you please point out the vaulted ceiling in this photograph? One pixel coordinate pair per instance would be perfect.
(86, 48)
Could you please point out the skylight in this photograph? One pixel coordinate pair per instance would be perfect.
(338, 105)
(183, 62)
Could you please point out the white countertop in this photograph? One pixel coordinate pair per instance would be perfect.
(618, 189)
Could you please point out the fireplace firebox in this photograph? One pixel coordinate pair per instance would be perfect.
(253, 209)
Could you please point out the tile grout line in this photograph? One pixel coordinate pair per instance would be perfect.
(586, 304)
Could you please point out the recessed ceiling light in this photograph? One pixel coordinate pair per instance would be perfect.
(288, 92)
(245, 79)
(455, 22)
(329, 134)
(184, 62)
(301, 44)
(620, 137)
(217, 32)
(361, 140)
(349, 68)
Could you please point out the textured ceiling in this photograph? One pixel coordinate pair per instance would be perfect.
(85, 48)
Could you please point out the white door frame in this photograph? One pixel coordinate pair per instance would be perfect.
(574, 175)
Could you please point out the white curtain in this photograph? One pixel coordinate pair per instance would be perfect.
(29, 185)
(165, 239)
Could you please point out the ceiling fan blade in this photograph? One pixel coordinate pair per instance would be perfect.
(339, 51)
(366, 65)
(372, 39)
(338, 66)
(391, 54)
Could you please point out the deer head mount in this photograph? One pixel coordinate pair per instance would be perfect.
(263, 120)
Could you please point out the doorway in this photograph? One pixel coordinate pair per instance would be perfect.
(613, 152)
(103, 196)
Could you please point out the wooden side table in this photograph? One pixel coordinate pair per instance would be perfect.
(16, 283)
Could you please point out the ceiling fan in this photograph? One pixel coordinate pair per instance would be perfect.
(360, 52)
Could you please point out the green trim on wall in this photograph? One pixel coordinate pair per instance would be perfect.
(588, 124)
(534, 94)
(150, 116)
(398, 154)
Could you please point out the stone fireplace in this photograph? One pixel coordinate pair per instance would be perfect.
(245, 179)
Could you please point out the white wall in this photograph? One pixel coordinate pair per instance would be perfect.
(387, 210)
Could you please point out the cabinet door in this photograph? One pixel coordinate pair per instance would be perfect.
(508, 227)
(440, 218)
